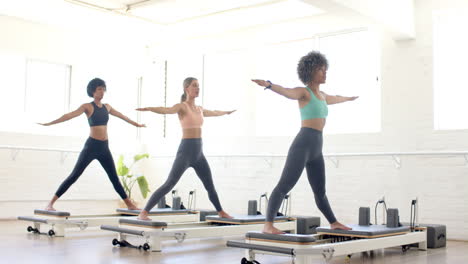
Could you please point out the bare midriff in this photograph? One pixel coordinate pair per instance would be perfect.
(191, 133)
(315, 123)
(98, 132)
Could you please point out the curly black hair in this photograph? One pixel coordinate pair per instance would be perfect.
(309, 64)
(93, 84)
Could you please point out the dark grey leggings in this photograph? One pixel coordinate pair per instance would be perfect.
(94, 149)
(189, 154)
(305, 151)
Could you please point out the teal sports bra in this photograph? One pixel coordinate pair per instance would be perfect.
(316, 108)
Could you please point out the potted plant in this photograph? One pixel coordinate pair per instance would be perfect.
(128, 178)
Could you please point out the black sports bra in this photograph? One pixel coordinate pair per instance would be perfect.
(100, 116)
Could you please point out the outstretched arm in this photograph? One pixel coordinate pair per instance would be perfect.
(67, 116)
(336, 99)
(291, 93)
(208, 113)
(116, 113)
(163, 110)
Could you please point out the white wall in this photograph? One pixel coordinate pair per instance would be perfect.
(407, 125)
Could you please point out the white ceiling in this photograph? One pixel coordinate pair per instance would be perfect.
(152, 17)
(168, 12)
(156, 20)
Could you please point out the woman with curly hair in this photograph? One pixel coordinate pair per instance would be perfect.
(306, 149)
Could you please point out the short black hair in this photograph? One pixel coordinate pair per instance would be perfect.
(309, 64)
(93, 84)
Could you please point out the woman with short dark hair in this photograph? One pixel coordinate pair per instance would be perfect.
(97, 145)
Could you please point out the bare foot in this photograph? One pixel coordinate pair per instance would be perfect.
(143, 216)
(130, 204)
(224, 214)
(272, 230)
(133, 207)
(50, 208)
(338, 225)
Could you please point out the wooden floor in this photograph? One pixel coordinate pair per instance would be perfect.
(94, 246)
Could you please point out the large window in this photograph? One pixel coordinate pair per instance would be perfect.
(12, 68)
(227, 86)
(153, 93)
(122, 95)
(353, 71)
(39, 91)
(47, 94)
(33, 90)
(276, 115)
(450, 57)
(179, 68)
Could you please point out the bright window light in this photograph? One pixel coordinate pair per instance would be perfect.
(353, 71)
(47, 93)
(277, 115)
(450, 57)
(153, 94)
(227, 86)
(12, 89)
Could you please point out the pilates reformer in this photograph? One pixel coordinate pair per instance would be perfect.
(328, 243)
(151, 234)
(56, 222)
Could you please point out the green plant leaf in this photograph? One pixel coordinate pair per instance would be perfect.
(122, 170)
(119, 164)
(125, 186)
(143, 183)
(140, 156)
(129, 176)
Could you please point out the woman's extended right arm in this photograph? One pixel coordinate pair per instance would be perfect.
(67, 116)
(162, 110)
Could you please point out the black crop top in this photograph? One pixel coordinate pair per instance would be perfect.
(100, 116)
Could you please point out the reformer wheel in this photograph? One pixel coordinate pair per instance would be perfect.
(405, 248)
(245, 261)
(51, 233)
(146, 247)
(115, 242)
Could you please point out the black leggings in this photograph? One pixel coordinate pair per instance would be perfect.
(94, 149)
(305, 151)
(189, 154)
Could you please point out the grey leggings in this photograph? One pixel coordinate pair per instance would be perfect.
(189, 154)
(305, 151)
(94, 149)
